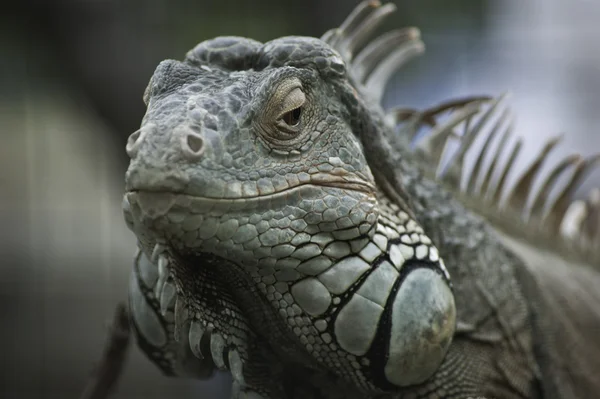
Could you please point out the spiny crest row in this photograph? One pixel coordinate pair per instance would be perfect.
(556, 221)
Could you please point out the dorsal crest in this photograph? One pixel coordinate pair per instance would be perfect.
(539, 208)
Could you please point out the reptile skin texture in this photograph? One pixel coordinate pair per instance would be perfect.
(289, 236)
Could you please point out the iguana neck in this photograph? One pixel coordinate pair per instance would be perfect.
(484, 272)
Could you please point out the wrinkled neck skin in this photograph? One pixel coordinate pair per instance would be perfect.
(487, 278)
(470, 248)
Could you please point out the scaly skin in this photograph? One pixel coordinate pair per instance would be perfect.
(286, 237)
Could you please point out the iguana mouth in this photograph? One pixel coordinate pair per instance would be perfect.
(249, 190)
(158, 202)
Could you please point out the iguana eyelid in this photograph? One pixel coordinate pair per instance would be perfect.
(287, 133)
(294, 99)
(288, 96)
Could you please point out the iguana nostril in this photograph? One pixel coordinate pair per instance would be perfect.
(192, 145)
(133, 143)
(195, 143)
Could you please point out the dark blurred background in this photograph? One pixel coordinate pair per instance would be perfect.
(73, 74)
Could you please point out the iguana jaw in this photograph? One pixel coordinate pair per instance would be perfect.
(157, 194)
(421, 283)
(235, 228)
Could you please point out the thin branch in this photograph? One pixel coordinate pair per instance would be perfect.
(107, 373)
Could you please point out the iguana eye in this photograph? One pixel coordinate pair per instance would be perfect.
(292, 118)
(291, 105)
(283, 125)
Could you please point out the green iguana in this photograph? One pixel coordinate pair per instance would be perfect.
(293, 233)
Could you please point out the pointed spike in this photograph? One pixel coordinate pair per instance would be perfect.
(434, 143)
(456, 164)
(541, 198)
(581, 223)
(355, 36)
(487, 179)
(217, 346)
(471, 134)
(476, 171)
(517, 198)
(499, 189)
(398, 115)
(369, 57)
(358, 14)
(427, 117)
(333, 37)
(590, 227)
(406, 129)
(377, 80)
(236, 367)
(455, 104)
(572, 222)
(163, 274)
(236, 389)
(137, 253)
(415, 119)
(466, 127)
(181, 317)
(167, 297)
(554, 217)
(158, 249)
(195, 336)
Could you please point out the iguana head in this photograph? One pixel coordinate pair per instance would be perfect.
(255, 157)
(257, 141)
